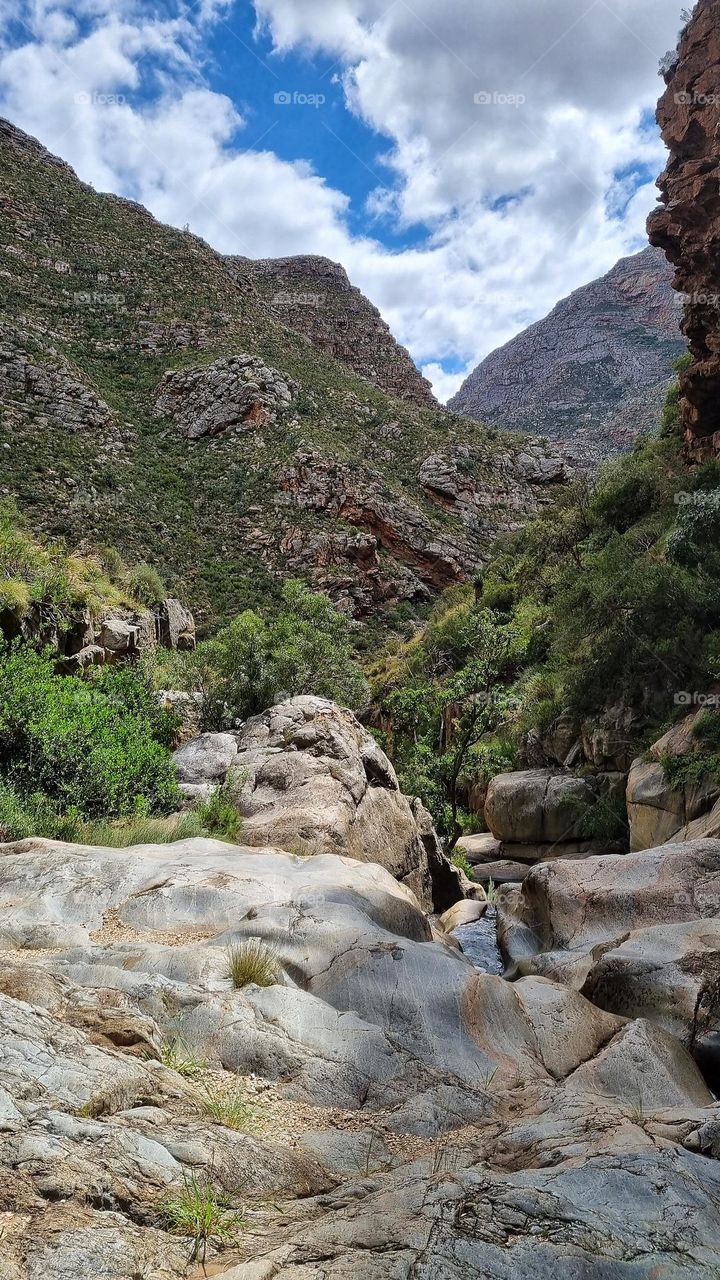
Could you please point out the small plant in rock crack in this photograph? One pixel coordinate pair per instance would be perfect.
(227, 1104)
(203, 1212)
(176, 1054)
(461, 863)
(252, 961)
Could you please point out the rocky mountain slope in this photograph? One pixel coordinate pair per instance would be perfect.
(688, 226)
(151, 400)
(594, 373)
(314, 296)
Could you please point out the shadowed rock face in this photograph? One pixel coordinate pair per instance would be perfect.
(688, 227)
(593, 373)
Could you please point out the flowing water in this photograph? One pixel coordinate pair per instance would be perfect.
(479, 942)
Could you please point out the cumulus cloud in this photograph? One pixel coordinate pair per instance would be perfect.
(516, 136)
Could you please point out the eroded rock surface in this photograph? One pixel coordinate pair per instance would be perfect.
(432, 1119)
(236, 393)
(638, 934)
(687, 227)
(312, 780)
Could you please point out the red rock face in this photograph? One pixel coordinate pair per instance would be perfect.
(688, 226)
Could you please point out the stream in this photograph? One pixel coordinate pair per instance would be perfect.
(479, 943)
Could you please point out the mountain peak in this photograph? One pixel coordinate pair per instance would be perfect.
(592, 373)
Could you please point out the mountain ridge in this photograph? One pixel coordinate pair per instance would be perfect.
(151, 400)
(593, 373)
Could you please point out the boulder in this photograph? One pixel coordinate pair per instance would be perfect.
(174, 625)
(659, 811)
(205, 759)
(637, 934)
(312, 780)
(479, 848)
(535, 806)
(655, 809)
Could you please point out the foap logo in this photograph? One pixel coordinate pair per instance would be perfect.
(497, 99)
(285, 299)
(707, 498)
(685, 699)
(96, 99)
(698, 299)
(86, 299)
(297, 99)
(687, 99)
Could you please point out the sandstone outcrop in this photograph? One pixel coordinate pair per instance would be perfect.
(593, 374)
(406, 1110)
(310, 779)
(687, 227)
(314, 296)
(658, 811)
(400, 553)
(237, 393)
(639, 935)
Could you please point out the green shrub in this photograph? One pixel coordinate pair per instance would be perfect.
(227, 1103)
(460, 861)
(22, 817)
(77, 745)
(219, 814)
(305, 646)
(145, 585)
(176, 1055)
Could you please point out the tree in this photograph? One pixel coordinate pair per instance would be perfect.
(259, 659)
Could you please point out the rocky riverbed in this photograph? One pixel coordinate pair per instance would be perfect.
(382, 1108)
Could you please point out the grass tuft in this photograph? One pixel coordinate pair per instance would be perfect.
(227, 1104)
(178, 1056)
(204, 1213)
(253, 961)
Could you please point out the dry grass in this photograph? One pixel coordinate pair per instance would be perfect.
(253, 961)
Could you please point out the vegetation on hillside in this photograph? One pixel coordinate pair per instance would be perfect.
(88, 756)
(302, 645)
(611, 598)
(126, 299)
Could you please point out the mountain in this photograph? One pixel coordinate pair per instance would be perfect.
(315, 296)
(151, 399)
(593, 373)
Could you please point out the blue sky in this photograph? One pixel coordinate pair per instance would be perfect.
(469, 163)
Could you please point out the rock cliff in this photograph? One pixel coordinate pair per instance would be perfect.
(314, 296)
(687, 227)
(592, 374)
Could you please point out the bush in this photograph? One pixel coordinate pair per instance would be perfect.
(145, 585)
(219, 814)
(79, 746)
(305, 647)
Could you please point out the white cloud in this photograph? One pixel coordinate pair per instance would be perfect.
(522, 202)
